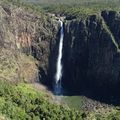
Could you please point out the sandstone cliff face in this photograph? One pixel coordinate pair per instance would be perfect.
(91, 60)
(23, 34)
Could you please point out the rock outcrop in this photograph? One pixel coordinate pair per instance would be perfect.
(91, 60)
(24, 34)
(112, 19)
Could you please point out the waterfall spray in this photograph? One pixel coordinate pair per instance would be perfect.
(58, 74)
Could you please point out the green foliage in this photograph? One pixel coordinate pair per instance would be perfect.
(22, 102)
(78, 8)
(28, 7)
(115, 116)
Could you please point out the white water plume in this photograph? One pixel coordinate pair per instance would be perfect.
(59, 64)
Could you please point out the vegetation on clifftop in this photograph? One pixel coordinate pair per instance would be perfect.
(77, 8)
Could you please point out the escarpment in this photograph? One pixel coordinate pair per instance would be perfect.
(91, 58)
(112, 19)
(22, 35)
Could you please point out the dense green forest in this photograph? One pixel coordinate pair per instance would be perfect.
(23, 102)
(77, 8)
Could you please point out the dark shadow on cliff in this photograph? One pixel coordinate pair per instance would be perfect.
(83, 57)
(92, 92)
(108, 97)
(42, 76)
(54, 45)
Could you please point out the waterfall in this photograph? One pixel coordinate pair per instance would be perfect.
(58, 74)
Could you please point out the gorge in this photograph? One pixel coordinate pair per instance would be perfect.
(90, 57)
(60, 61)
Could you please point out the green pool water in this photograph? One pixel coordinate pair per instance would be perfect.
(75, 102)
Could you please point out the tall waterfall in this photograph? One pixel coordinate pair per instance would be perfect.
(58, 74)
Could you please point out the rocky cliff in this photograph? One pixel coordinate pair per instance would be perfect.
(23, 35)
(91, 54)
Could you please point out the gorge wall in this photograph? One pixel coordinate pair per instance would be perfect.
(91, 54)
(91, 57)
(23, 35)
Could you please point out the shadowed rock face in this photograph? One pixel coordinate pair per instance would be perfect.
(112, 19)
(90, 58)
